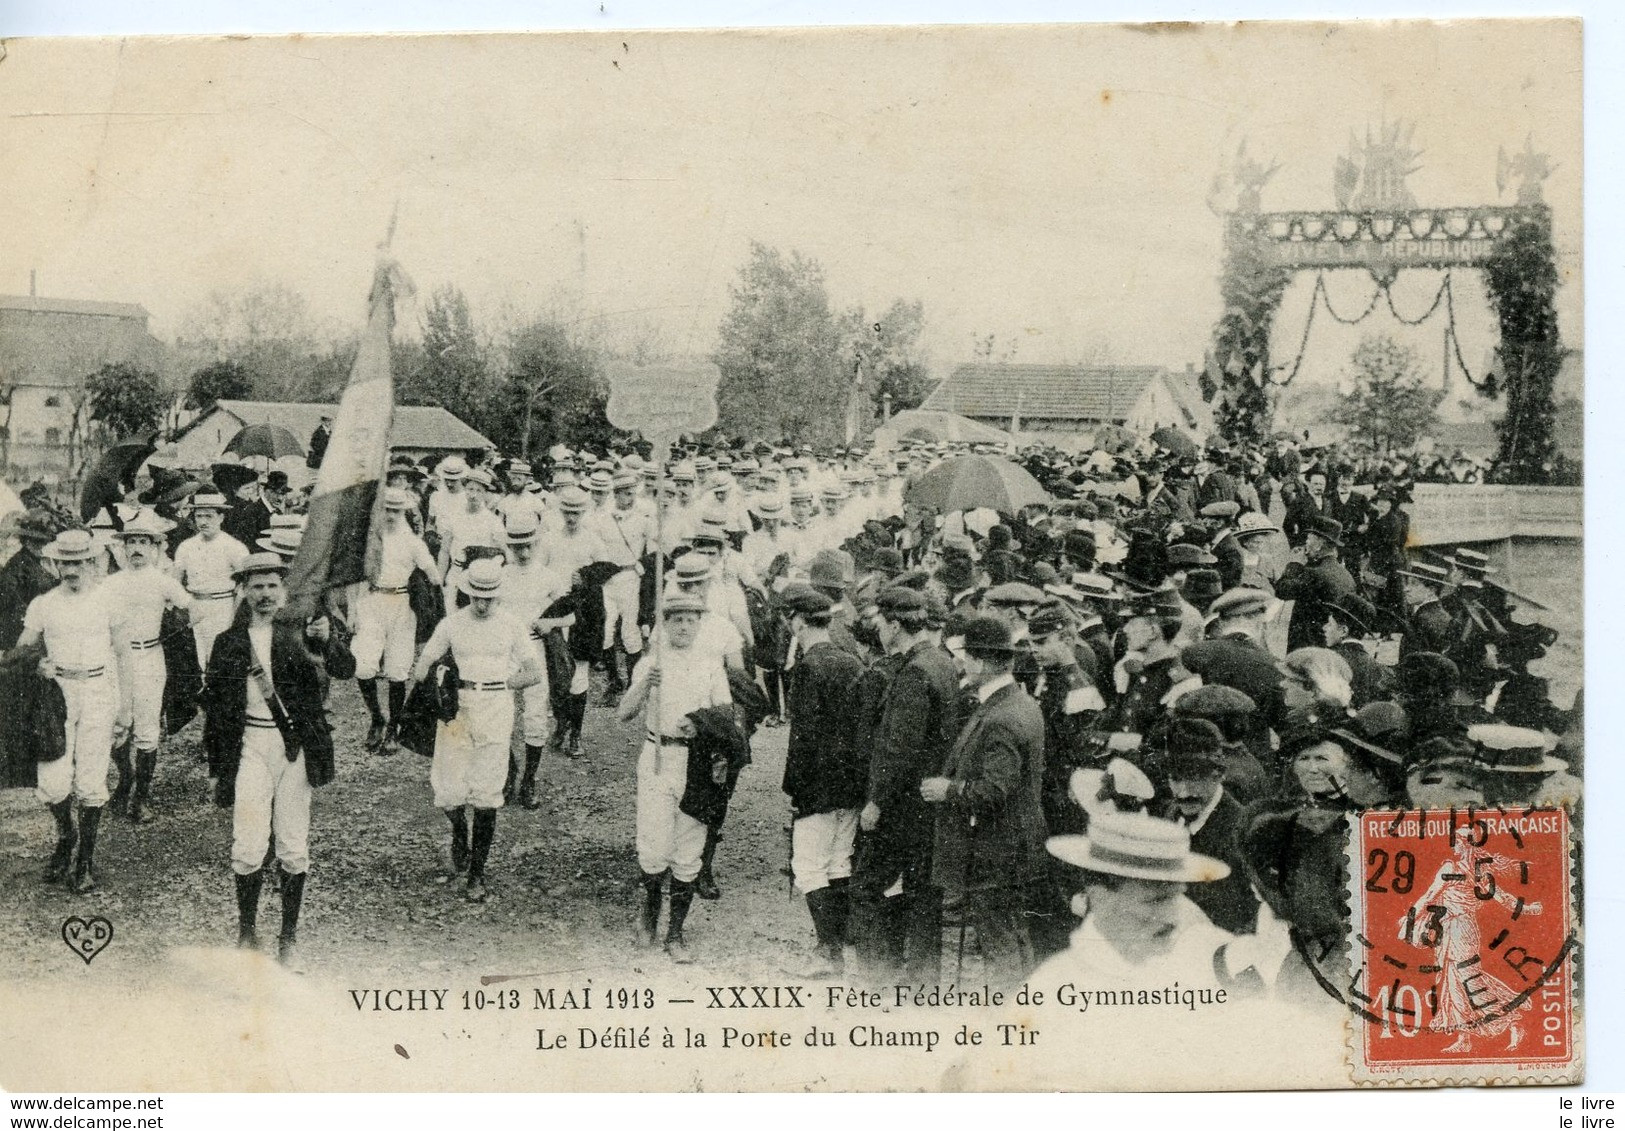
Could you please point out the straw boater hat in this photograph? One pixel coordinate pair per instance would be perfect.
(769, 506)
(1507, 749)
(522, 528)
(1132, 844)
(284, 535)
(626, 480)
(1427, 572)
(691, 568)
(209, 500)
(71, 546)
(683, 603)
(600, 482)
(263, 562)
(572, 500)
(479, 477)
(145, 524)
(396, 499)
(482, 578)
(452, 468)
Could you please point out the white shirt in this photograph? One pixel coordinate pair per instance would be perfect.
(77, 627)
(205, 565)
(690, 679)
(1093, 960)
(527, 590)
(259, 641)
(138, 598)
(570, 552)
(628, 534)
(462, 529)
(443, 503)
(401, 552)
(513, 505)
(487, 650)
(760, 548)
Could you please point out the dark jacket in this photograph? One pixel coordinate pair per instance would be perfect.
(182, 677)
(821, 769)
(22, 578)
(298, 683)
(1311, 588)
(1430, 628)
(247, 522)
(33, 717)
(990, 832)
(1230, 903)
(717, 753)
(1239, 662)
(1218, 487)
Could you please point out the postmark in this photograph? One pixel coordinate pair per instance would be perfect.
(1463, 947)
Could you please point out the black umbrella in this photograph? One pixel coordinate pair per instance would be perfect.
(1175, 441)
(113, 477)
(269, 440)
(968, 482)
(231, 477)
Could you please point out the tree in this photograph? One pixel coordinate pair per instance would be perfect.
(267, 329)
(124, 400)
(219, 381)
(552, 392)
(1388, 407)
(781, 352)
(889, 353)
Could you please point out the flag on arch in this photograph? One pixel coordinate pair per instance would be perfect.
(344, 526)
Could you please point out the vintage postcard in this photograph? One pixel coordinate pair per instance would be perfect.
(962, 558)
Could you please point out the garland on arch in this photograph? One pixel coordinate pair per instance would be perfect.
(1235, 380)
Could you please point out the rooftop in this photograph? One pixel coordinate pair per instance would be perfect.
(1043, 392)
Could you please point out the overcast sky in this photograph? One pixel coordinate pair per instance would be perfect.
(1045, 185)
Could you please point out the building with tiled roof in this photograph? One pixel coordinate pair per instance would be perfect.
(1073, 399)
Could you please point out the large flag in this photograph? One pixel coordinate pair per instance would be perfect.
(346, 521)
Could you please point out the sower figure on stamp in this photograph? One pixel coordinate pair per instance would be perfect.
(205, 564)
(82, 651)
(386, 627)
(270, 745)
(494, 657)
(824, 775)
(138, 596)
(674, 679)
(989, 806)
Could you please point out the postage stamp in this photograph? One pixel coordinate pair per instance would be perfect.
(1465, 936)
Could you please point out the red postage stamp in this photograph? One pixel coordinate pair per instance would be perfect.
(1463, 948)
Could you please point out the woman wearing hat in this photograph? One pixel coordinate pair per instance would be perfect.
(495, 657)
(139, 594)
(206, 563)
(77, 626)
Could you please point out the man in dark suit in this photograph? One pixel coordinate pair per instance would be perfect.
(269, 744)
(917, 728)
(1305, 505)
(989, 811)
(22, 578)
(1429, 626)
(1320, 580)
(824, 775)
(249, 519)
(1191, 765)
(1353, 510)
(1212, 484)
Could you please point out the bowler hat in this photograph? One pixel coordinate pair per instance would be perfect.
(1328, 529)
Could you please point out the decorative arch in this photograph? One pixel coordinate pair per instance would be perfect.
(1379, 229)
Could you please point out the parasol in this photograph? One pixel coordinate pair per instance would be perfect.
(113, 476)
(269, 440)
(1175, 441)
(230, 478)
(967, 482)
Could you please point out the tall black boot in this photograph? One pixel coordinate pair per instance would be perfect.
(615, 682)
(62, 857)
(823, 960)
(248, 905)
(397, 708)
(649, 916)
(682, 898)
(578, 714)
(527, 784)
(369, 696)
(293, 895)
(126, 778)
(146, 765)
(459, 840)
(840, 914)
(84, 874)
(705, 884)
(485, 831)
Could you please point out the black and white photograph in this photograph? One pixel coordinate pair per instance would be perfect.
(838, 559)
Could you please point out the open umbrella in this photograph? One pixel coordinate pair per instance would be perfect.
(232, 477)
(967, 482)
(113, 476)
(269, 440)
(1175, 441)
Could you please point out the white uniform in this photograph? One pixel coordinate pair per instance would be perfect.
(78, 632)
(386, 630)
(471, 752)
(458, 531)
(527, 590)
(443, 503)
(1093, 960)
(761, 547)
(273, 794)
(514, 506)
(138, 598)
(628, 535)
(569, 553)
(205, 567)
(666, 836)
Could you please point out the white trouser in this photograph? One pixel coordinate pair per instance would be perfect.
(470, 764)
(821, 848)
(82, 771)
(536, 714)
(209, 619)
(385, 636)
(667, 837)
(141, 691)
(621, 604)
(273, 800)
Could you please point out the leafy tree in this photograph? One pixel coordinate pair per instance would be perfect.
(552, 392)
(125, 400)
(781, 351)
(889, 354)
(219, 381)
(454, 368)
(1388, 407)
